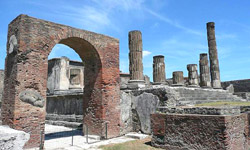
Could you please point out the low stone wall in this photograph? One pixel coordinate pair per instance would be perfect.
(206, 132)
(65, 104)
(239, 85)
(11, 139)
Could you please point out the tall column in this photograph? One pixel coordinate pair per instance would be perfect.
(204, 71)
(135, 55)
(192, 75)
(178, 78)
(213, 56)
(159, 75)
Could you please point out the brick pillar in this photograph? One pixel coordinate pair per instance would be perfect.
(204, 71)
(159, 75)
(178, 78)
(192, 75)
(213, 56)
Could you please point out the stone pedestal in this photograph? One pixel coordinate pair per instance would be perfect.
(192, 75)
(159, 75)
(213, 56)
(135, 84)
(178, 78)
(205, 81)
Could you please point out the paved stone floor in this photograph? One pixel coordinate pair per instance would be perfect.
(60, 138)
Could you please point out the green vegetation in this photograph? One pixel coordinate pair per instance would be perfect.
(225, 103)
(131, 145)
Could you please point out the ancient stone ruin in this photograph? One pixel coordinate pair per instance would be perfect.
(98, 94)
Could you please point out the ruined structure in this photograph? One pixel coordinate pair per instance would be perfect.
(213, 56)
(205, 81)
(1, 84)
(178, 78)
(65, 76)
(30, 42)
(159, 74)
(170, 113)
(135, 59)
(192, 75)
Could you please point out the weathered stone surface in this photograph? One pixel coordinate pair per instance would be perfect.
(239, 85)
(213, 56)
(27, 68)
(191, 132)
(126, 112)
(145, 104)
(135, 55)
(1, 84)
(159, 74)
(12, 44)
(11, 139)
(32, 97)
(65, 104)
(204, 71)
(192, 75)
(178, 78)
(65, 76)
(230, 88)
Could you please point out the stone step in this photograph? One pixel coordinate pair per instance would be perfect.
(67, 118)
(136, 135)
(65, 124)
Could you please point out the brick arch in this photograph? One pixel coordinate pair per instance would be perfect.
(23, 106)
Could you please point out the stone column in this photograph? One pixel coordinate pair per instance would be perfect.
(178, 78)
(135, 55)
(159, 75)
(204, 71)
(192, 75)
(135, 60)
(213, 56)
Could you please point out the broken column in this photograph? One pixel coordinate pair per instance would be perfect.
(159, 75)
(135, 59)
(178, 78)
(192, 75)
(213, 56)
(204, 71)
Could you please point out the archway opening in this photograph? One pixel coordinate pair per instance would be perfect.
(70, 86)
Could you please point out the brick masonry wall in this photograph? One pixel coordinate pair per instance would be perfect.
(178, 132)
(27, 66)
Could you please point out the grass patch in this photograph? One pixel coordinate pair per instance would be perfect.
(225, 103)
(144, 144)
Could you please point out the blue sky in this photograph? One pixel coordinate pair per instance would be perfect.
(173, 28)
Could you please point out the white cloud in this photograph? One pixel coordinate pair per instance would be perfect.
(146, 53)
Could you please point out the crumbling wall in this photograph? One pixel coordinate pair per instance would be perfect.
(138, 105)
(206, 132)
(239, 85)
(1, 84)
(65, 104)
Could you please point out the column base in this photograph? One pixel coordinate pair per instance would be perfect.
(193, 86)
(177, 85)
(135, 84)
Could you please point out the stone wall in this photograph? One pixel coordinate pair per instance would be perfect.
(239, 85)
(185, 131)
(1, 84)
(65, 104)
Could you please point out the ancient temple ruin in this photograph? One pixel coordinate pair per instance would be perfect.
(104, 98)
